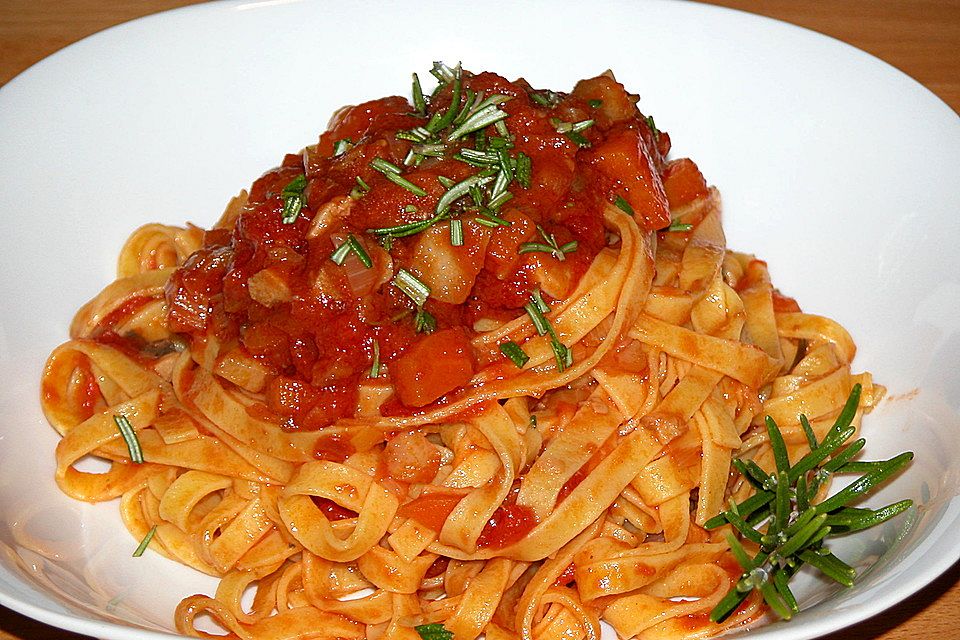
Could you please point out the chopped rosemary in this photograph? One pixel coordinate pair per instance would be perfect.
(781, 519)
(130, 437)
(480, 118)
(678, 226)
(459, 189)
(439, 123)
(468, 114)
(145, 542)
(537, 298)
(435, 631)
(623, 205)
(351, 245)
(478, 158)
(490, 219)
(537, 309)
(411, 286)
(653, 127)
(375, 365)
(419, 103)
(360, 190)
(442, 72)
(408, 228)
(293, 199)
(392, 173)
(570, 127)
(417, 134)
(424, 322)
(578, 138)
(456, 232)
(340, 147)
(548, 99)
(498, 201)
(524, 170)
(513, 351)
(549, 245)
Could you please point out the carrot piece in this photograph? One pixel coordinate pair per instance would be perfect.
(683, 182)
(439, 363)
(430, 509)
(624, 158)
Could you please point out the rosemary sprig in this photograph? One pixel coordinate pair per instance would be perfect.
(348, 246)
(145, 542)
(549, 245)
(537, 309)
(788, 528)
(435, 631)
(516, 354)
(392, 172)
(293, 199)
(130, 437)
(424, 322)
(375, 364)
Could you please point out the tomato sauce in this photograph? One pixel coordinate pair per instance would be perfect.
(510, 523)
(567, 577)
(331, 510)
(317, 336)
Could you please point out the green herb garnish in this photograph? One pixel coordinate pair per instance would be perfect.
(537, 310)
(360, 190)
(424, 322)
(513, 351)
(548, 99)
(392, 173)
(678, 226)
(456, 232)
(408, 228)
(524, 170)
(573, 130)
(446, 134)
(412, 287)
(549, 245)
(438, 122)
(145, 542)
(419, 103)
(789, 529)
(348, 246)
(375, 365)
(462, 188)
(653, 127)
(130, 437)
(622, 204)
(434, 631)
(568, 127)
(293, 199)
(595, 104)
(340, 147)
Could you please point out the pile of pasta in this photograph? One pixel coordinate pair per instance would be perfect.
(681, 347)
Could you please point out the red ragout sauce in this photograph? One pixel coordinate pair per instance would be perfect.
(316, 336)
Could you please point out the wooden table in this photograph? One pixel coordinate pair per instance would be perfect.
(921, 37)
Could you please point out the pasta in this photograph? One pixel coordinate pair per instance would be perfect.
(482, 361)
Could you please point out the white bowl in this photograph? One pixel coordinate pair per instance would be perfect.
(836, 168)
